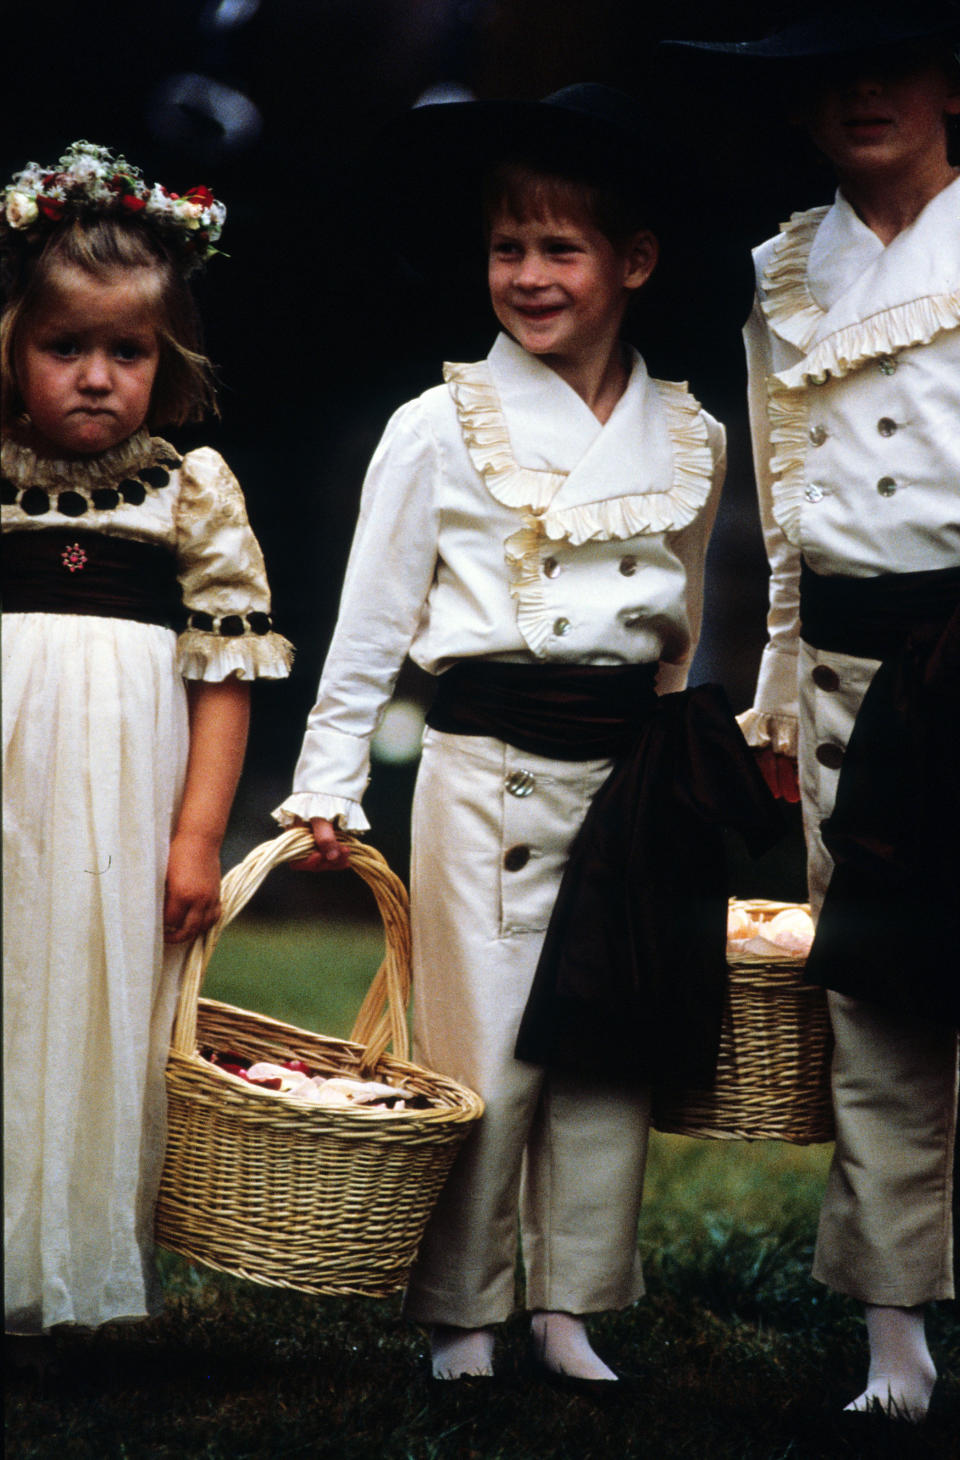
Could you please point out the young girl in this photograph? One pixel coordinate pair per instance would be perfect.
(532, 532)
(854, 360)
(122, 738)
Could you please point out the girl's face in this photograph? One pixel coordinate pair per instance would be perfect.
(86, 362)
(560, 287)
(885, 115)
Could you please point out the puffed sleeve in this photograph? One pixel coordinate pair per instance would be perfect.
(390, 571)
(772, 721)
(223, 580)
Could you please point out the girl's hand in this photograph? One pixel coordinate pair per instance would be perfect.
(192, 899)
(331, 855)
(780, 774)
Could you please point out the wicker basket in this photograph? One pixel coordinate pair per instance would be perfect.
(773, 1072)
(288, 1194)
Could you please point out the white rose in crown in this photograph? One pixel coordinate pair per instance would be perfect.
(187, 212)
(21, 209)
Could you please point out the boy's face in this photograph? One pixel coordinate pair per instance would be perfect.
(560, 287)
(883, 115)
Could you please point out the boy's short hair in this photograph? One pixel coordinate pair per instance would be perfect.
(184, 386)
(527, 188)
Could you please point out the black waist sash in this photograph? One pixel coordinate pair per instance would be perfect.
(889, 930)
(632, 975)
(871, 617)
(61, 570)
(565, 711)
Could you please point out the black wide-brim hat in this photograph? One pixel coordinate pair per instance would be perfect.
(840, 30)
(587, 132)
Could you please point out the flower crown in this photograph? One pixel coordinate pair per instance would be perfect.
(90, 180)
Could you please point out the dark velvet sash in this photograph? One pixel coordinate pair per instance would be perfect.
(61, 570)
(631, 980)
(871, 617)
(889, 930)
(565, 711)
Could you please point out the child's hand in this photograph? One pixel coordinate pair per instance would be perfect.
(780, 773)
(331, 855)
(192, 899)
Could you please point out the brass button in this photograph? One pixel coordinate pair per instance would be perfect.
(830, 755)
(820, 379)
(516, 858)
(818, 434)
(886, 486)
(634, 621)
(813, 492)
(886, 365)
(824, 677)
(520, 783)
(550, 567)
(561, 626)
(886, 426)
(628, 566)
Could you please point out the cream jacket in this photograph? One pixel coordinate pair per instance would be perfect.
(853, 351)
(500, 519)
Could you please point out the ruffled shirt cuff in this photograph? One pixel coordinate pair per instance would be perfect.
(773, 719)
(215, 657)
(303, 806)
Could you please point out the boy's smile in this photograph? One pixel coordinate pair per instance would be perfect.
(560, 287)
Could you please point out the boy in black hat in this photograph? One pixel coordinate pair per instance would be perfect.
(533, 533)
(854, 363)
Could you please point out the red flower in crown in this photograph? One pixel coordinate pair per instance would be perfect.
(132, 204)
(51, 208)
(201, 195)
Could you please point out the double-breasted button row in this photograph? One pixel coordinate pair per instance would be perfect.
(516, 858)
(627, 566)
(814, 492)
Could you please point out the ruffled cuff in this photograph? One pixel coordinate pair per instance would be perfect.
(303, 806)
(776, 732)
(215, 657)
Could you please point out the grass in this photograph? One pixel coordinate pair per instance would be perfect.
(736, 1353)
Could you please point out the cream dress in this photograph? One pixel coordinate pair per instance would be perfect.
(95, 741)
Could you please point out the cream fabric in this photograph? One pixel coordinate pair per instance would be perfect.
(95, 742)
(500, 519)
(853, 351)
(581, 1148)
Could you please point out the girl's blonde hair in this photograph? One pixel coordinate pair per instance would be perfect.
(184, 388)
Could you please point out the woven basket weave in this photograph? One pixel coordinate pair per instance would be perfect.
(773, 1071)
(288, 1194)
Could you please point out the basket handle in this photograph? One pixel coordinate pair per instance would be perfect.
(382, 1017)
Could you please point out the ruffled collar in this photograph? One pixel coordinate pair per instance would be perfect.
(655, 446)
(833, 291)
(24, 468)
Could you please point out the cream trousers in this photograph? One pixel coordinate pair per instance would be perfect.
(886, 1230)
(492, 827)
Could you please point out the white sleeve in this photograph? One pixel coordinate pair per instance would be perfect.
(773, 718)
(389, 574)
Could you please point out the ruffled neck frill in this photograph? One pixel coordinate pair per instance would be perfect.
(907, 295)
(687, 466)
(25, 468)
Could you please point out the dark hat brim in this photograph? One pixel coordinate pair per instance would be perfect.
(588, 132)
(838, 32)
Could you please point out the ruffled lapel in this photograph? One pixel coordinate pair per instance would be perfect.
(835, 293)
(653, 452)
